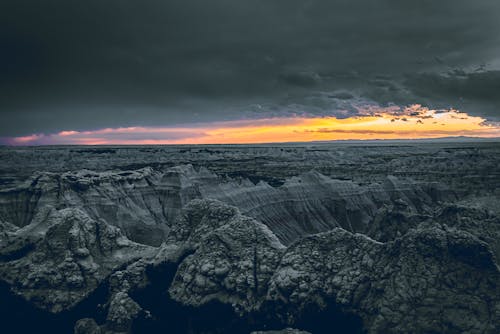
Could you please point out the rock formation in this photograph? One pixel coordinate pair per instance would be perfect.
(144, 203)
(181, 249)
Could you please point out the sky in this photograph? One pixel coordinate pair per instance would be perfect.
(234, 71)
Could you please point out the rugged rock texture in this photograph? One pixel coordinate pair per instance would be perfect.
(464, 166)
(87, 326)
(180, 249)
(122, 311)
(58, 268)
(481, 222)
(233, 262)
(314, 203)
(430, 280)
(145, 202)
(434, 278)
(125, 200)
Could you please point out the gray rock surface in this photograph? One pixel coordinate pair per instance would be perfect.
(87, 326)
(144, 203)
(267, 245)
(122, 311)
(233, 262)
(430, 280)
(435, 278)
(58, 268)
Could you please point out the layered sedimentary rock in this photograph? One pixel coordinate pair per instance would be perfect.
(185, 250)
(145, 202)
(464, 166)
(314, 203)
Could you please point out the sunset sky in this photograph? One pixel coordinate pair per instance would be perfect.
(233, 71)
(415, 122)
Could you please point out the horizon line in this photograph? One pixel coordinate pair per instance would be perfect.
(451, 139)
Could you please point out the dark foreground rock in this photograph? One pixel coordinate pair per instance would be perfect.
(396, 260)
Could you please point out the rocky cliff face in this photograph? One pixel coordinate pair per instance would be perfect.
(59, 267)
(189, 251)
(430, 280)
(145, 202)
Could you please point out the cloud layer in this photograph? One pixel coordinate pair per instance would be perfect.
(388, 123)
(86, 65)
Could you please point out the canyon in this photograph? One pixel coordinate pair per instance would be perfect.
(356, 237)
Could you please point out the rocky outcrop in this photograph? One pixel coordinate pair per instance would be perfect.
(481, 222)
(233, 263)
(464, 167)
(144, 203)
(430, 280)
(122, 199)
(433, 278)
(122, 311)
(58, 268)
(87, 326)
(314, 203)
(189, 251)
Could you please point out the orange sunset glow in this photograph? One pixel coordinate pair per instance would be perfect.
(411, 123)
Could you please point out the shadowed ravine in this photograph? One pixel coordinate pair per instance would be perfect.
(21, 316)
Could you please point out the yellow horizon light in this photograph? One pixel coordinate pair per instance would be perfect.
(413, 122)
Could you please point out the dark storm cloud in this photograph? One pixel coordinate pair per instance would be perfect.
(301, 78)
(92, 64)
(479, 90)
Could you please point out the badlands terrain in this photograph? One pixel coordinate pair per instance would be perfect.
(354, 237)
